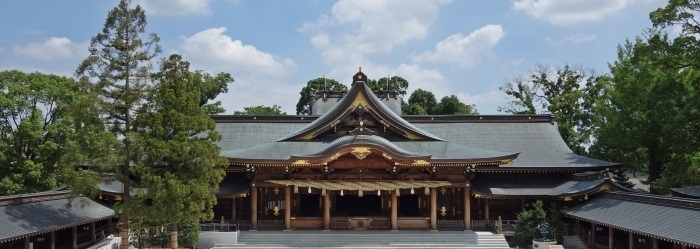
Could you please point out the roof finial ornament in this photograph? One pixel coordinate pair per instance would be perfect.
(360, 69)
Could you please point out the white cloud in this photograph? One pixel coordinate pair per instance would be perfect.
(55, 48)
(574, 39)
(567, 12)
(514, 62)
(212, 49)
(465, 51)
(358, 28)
(175, 7)
(486, 102)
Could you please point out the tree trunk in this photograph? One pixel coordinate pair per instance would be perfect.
(173, 237)
(654, 165)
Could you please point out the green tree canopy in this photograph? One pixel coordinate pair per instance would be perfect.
(118, 68)
(303, 106)
(451, 105)
(210, 87)
(261, 109)
(39, 118)
(395, 83)
(423, 99)
(646, 117)
(568, 94)
(180, 168)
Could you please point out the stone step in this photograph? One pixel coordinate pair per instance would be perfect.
(368, 239)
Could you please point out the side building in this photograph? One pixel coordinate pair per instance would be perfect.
(361, 165)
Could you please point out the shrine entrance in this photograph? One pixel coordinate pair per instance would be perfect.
(353, 205)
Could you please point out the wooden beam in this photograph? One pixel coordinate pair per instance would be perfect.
(92, 231)
(327, 211)
(610, 237)
(52, 240)
(467, 208)
(27, 242)
(254, 208)
(74, 237)
(394, 210)
(486, 209)
(630, 240)
(288, 207)
(433, 209)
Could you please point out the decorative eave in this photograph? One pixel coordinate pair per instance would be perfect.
(566, 194)
(361, 146)
(360, 99)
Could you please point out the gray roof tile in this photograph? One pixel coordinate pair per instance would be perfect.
(44, 216)
(670, 218)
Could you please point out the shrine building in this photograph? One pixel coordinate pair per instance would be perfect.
(357, 163)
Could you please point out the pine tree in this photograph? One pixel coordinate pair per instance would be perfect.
(118, 70)
(181, 166)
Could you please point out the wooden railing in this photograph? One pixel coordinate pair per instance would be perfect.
(450, 225)
(270, 225)
(482, 225)
(340, 223)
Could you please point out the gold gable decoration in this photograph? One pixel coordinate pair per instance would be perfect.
(361, 185)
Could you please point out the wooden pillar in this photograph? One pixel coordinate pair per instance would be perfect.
(394, 210)
(234, 201)
(92, 231)
(577, 227)
(610, 237)
(654, 243)
(433, 209)
(630, 240)
(254, 207)
(52, 239)
(467, 208)
(74, 238)
(27, 242)
(326, 211)
(591, 237)
(486, 209)
(288, 208)
(109, 225)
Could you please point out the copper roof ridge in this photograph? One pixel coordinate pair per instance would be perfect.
(670, 201)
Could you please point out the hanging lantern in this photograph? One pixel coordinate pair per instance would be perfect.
(427, 191)
(398, 192)
(412, 192)
(359, 193)
(379, 192)
(341, 192)
(296, 189)
(323, 192)
(309, 189)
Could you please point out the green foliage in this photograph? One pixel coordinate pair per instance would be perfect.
(395, 83)
(117, 72)
(647, 118)
(413, 109)
(303, 106)
(423, 99)
(568, 94)
(40, 119)
(526, 223)
(452, 105)
(620, 177)
(210, 87)
(261, 109)
(556, 221)
(180, 165)
(684, 51)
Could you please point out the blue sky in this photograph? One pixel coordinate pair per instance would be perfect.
(272, 48)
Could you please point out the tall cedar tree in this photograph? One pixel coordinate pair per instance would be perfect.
(568, 94)
(119, 70)
(181, 166)
(46, 125)
(304, 104)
